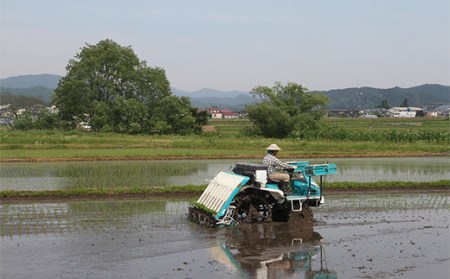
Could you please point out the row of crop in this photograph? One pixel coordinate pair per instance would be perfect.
(391, 135)
(198, 189)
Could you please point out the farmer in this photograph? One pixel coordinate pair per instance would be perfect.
(275, 166)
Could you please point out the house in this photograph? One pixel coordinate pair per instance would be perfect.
(405, 112)
(217, 113)
(52, 109)
(432, 114)
(369, 116)
(20, 111)
(443, 110)
(343, 113)
(5, 111)
(5, 107)
(229, 114)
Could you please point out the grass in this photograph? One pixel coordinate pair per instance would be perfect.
(107, 192)
(387, 185)
(419, 123)
(225, 141)
(198, 189)
(231, 149)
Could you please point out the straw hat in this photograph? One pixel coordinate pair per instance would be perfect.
(273, 147)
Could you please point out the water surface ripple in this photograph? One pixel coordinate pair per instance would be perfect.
(355, 236)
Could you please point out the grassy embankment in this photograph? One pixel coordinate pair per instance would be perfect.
(196, 190)
(225, 139)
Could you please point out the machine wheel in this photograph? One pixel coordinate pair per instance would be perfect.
(283, 213)
(204, 219)
(252, 208)
(306, 215)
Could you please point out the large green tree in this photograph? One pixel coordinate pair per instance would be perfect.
(284, 110)
(109, 87)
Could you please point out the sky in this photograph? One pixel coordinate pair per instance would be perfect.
(240, 44)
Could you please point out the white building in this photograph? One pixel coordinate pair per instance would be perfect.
(404, 111)
(443, 110)
(215, 112)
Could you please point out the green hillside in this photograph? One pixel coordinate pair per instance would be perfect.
(367, 97)
(19, 101)
(45, 80)
(42, 86)
(40, 92)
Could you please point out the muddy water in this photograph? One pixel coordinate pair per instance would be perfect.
(355, 236)
(109, 174)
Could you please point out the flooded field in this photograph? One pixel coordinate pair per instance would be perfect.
(354, 236)
(109, 174)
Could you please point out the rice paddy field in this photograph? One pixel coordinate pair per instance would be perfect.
(142, 175)
(122, 225)
(384, 235)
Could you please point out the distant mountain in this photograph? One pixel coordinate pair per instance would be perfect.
(37, 86)
(44, 80)
(208, 92)
(41, 92)
(367, 97)
(237, 103)
(207, 97)
(349, 98)
(42, 86)
(20, 101)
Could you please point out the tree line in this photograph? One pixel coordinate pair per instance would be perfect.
(19, 101)
(110, 89)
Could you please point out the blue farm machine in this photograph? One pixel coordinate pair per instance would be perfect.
(245, 195)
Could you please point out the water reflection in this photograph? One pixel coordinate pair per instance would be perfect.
(362, 236)
(109, 174)
(97, 174)
(138, 215)
(392, 169)
(93, 216)
(277, 250)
